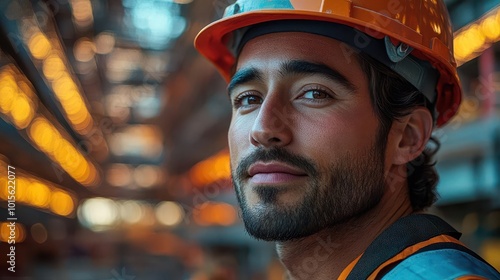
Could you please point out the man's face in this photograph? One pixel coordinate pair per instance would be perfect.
(304, 143)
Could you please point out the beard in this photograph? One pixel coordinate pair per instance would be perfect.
(346, 189)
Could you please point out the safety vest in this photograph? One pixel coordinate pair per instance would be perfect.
(419, 246)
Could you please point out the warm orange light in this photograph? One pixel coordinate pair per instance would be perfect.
(23, 111)
(82, 10)
(92, 177)
(119, 175)
(61, 203)
(79, 117)
(64, 87)
(8, 89)
(81, 170)
(57, 73)
(44, 136)
(76, 110)
(476, 37)
(39, 45)
(200, 215)
(211, 170)
(4, 192)
(18, 235)
(7, 76)
(84, 50)
(68, 156)
(491, 28)
(73, 104)
(38, 195)
(25, 87)
(460, 48)
(225, 214)
(473, 39)
(50, 141)
(15, 99)
(436, 27)
(211, 213)
(82, 121)
(53, 67)
(22, 185)
(490, 250)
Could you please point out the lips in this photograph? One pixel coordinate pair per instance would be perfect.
(273, 173)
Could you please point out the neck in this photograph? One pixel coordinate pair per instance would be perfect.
(326, 254)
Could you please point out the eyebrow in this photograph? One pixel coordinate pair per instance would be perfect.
(302, 67)
(292, 67)
(243, 76)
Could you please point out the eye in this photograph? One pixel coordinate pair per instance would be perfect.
(246, 100)
(315, 94)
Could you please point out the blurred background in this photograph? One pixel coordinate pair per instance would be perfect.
(116, 128)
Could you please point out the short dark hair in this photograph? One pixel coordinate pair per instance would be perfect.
(393, 97)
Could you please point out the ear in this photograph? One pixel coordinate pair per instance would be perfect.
(414, 131)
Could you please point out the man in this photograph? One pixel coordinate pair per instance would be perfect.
(334, 103)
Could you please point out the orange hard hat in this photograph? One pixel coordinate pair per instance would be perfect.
(416, 36)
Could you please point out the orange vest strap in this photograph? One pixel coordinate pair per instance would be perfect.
(410, 251)
(397, 241)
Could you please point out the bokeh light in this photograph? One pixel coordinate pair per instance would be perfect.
(131, 212)
(476, 37)
(39, 45)
(99, 213)
(16, 232)
(39, 233)
(169, 213)
(62, 203)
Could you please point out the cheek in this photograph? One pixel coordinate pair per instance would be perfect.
(358, 127)
(350, 129)
(336, 133)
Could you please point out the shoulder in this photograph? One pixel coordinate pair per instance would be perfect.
(442, 264)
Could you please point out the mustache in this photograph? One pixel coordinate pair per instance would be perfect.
(275, 154)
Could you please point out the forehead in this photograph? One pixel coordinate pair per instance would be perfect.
(272, 49)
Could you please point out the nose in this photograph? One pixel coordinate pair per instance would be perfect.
(273, 125)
